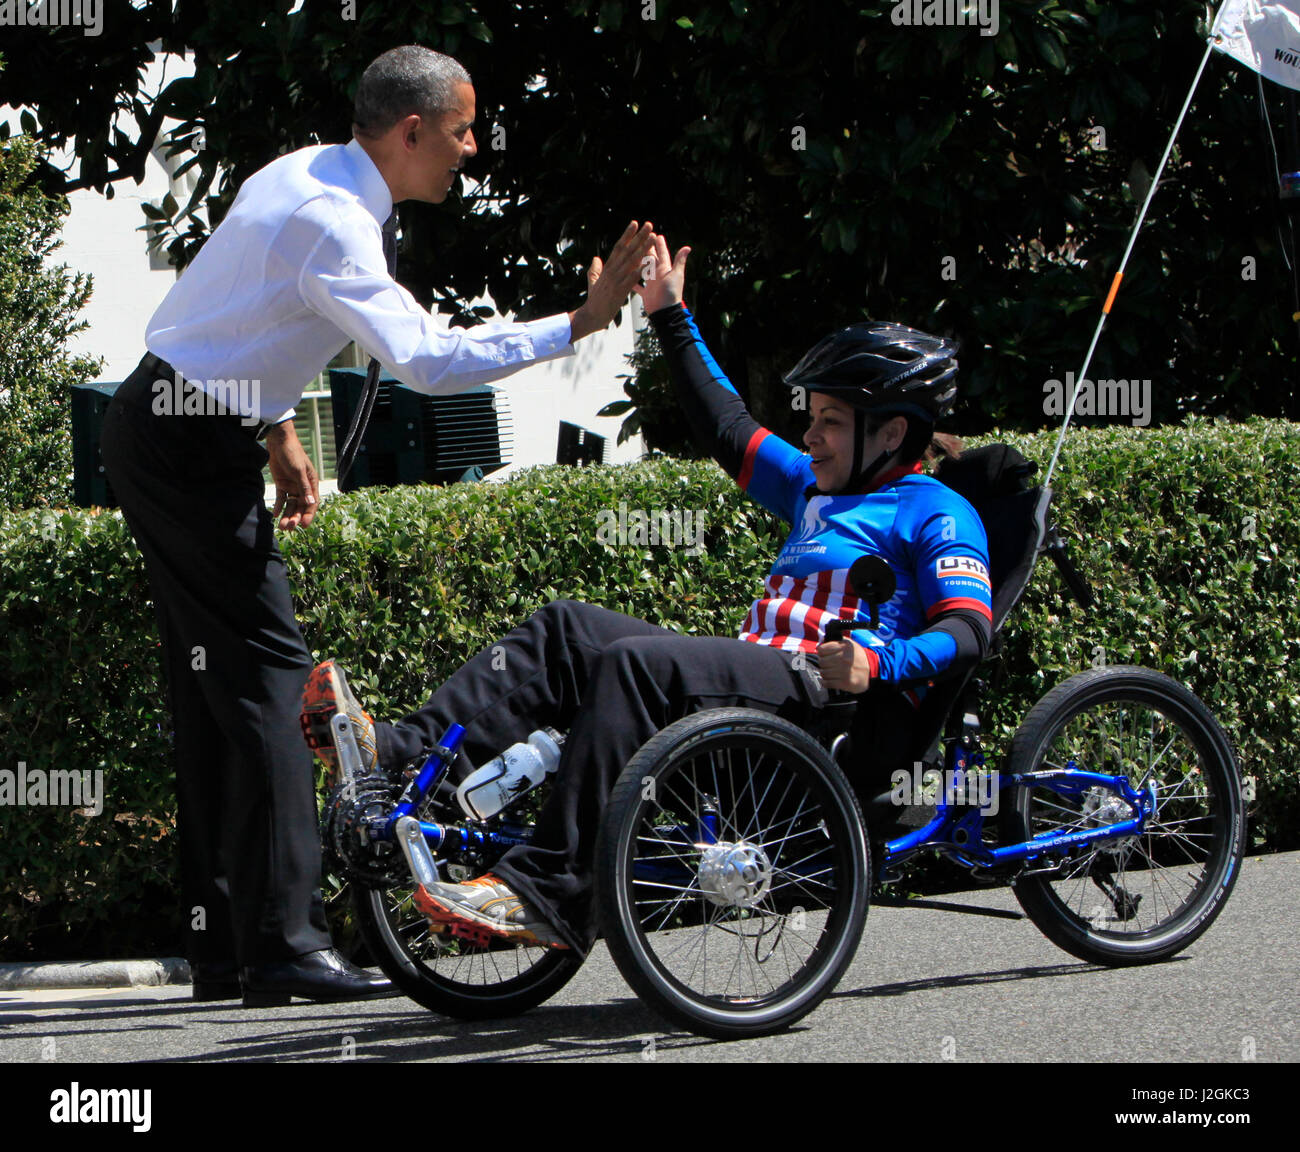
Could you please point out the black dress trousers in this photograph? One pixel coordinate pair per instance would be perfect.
(235, 663)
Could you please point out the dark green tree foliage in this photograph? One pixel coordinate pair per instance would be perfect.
(823, 161)
(39, 305)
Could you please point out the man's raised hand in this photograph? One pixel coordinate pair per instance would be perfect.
(609, 283)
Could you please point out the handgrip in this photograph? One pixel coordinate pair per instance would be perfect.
(840, 701)
(870, 579)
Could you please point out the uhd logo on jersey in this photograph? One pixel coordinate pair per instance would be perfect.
(950, 566)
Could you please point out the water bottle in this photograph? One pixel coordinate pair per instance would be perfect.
(517, 771)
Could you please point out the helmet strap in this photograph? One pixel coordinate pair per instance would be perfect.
(859, 435)
(859, 477)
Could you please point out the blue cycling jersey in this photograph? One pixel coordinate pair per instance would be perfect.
(930, 536)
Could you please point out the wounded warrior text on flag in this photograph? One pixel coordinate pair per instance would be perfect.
(1264, 37)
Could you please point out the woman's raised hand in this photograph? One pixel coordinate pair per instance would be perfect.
(665, 279)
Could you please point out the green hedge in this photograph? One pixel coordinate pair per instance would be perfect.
(1189, 535)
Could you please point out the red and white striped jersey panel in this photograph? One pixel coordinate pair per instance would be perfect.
(796, 609)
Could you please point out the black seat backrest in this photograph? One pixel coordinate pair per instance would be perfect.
(995, 479)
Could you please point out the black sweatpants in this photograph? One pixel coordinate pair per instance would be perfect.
(235, 665)
(612, 682)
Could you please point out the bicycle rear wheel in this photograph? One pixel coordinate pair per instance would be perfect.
(1139, 898)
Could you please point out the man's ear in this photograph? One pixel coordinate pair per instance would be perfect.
(409, 126)
(895, 433)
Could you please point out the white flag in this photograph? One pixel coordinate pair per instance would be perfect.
(1264, 37)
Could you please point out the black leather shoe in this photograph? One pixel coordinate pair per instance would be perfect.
(323, 975)
(214, 981)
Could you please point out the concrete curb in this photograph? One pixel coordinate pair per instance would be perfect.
(95, 974)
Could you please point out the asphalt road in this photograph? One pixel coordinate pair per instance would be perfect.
(926, 985)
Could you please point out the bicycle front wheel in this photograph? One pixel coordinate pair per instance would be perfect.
(732, 873)
(450, 975)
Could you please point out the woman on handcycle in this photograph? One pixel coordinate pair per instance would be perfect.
(612, 681)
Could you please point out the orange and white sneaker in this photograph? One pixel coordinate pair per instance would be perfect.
(483, 910)
(327, 692)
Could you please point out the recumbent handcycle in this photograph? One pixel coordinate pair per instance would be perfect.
(733, 864)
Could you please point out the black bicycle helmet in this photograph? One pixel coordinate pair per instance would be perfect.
(885, 369)
(878, 366)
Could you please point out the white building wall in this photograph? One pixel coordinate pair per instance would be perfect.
(99, 237)
(574, 389)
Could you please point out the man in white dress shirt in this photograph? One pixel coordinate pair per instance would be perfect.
(294, 271)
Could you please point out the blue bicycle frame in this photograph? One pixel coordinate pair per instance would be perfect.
(955, 831)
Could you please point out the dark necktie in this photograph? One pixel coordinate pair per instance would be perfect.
(361, 417)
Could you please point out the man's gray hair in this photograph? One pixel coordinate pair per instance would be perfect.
(402, 81)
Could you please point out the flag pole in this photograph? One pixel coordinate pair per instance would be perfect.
(1119, 274)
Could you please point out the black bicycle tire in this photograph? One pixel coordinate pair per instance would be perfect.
(462, 1000)
(1074, 933)
(616, 841)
